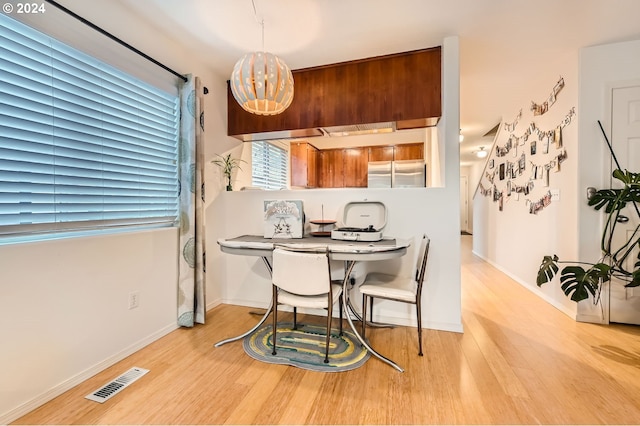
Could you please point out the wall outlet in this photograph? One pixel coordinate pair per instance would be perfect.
(555, 195)
(134, 299)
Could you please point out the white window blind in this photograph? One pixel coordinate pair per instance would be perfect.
(82, 145)
(268, 165)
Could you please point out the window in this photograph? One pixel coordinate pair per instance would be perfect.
(82, 144)
(268, 165)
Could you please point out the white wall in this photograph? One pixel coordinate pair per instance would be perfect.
(601, 68)
(63, 303)
(64, 309)
(245, 281)
(514, 240)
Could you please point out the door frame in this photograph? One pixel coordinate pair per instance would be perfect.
(607, 167)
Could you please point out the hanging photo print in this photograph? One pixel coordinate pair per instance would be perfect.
(557, 137)
(511, 127)
(535, 207)
(539, 109)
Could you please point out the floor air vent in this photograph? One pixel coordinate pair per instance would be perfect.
(112, 388)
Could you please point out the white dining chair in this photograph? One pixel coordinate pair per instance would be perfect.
(400, 289)
(301, 278)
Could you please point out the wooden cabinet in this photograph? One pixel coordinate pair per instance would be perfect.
(404, 88)
(331, 168)
(409, 151)
(381, 153)
(355, 167)
(303, 163)
(343, 167)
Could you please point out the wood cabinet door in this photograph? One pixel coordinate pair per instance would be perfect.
(355, 167)
(409, 151)
(330, 168)
(298, 163)
(381, 153)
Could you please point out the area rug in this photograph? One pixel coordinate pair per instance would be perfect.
(305, 348)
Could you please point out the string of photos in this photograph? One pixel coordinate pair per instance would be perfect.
(539, 109)
(539, 141)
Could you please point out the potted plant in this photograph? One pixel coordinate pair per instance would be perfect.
(580, 280)
(228, 165)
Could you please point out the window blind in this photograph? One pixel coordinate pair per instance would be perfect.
(268, 165)
(82, 144)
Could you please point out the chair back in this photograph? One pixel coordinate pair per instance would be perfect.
(421, 266)
(304, 272)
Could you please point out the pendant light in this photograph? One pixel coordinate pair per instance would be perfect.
(261, 82)
(482, 153)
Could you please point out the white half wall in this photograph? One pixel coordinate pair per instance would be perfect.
(411, 212)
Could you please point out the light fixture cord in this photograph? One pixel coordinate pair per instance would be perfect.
(261, 21)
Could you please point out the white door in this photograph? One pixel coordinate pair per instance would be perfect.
(464, 208)
(624, 303)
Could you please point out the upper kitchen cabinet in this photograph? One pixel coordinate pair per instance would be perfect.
(304, 160)
(381, 153)
(403, 89)
(331, 168)
(409, 151)
(355, 167)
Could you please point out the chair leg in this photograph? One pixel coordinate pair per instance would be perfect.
(370, 309)
(340, 306)
(419, 313)
(329, 317)
(275, 318)
(295, 318)
(364, 315)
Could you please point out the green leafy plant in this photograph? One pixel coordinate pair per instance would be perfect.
(228, 165)
(583, 279)
(579, 282)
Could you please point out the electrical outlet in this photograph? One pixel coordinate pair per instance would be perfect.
(134, 299)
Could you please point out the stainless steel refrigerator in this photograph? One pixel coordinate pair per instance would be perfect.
(379, 174)
(408, 174)
(397, 174)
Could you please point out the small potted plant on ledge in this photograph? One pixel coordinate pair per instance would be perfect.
(580, 280)
(228, 165)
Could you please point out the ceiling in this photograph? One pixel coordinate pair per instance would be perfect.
(500, 40)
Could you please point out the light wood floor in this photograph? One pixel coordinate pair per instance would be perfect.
(519, 361)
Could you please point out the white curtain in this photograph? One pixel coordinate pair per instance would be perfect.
(191, 280)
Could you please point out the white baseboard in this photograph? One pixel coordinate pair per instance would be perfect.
(47, 396)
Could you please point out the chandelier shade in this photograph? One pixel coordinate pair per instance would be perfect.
(262, 83)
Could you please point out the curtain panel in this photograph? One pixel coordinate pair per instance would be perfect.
(191, 280)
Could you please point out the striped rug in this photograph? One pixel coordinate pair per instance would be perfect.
(305, 347)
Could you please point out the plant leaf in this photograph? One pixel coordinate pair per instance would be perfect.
(548, 269)
(635, 279)
(578, 283)
(609, 198)
(627, 177)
